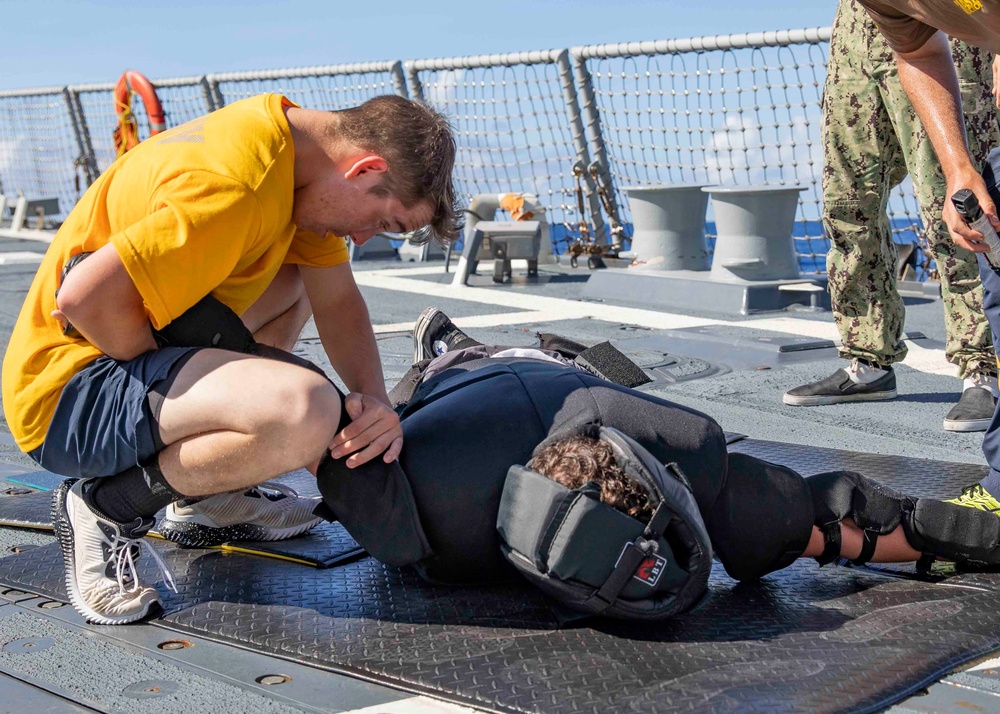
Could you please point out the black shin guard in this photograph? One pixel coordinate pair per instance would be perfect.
(875, 508)
(934, 528)
(953, 532)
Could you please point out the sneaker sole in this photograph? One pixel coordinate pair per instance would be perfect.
(817, 400)
(196, 535)
(967, 425)
(63, 527)
(419, 328)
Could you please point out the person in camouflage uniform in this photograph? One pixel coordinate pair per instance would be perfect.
(871, 140)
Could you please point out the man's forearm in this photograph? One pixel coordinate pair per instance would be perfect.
(126, 338)
(929, 79)
(350, 344)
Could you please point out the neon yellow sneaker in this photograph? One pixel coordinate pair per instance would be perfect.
(975, 496)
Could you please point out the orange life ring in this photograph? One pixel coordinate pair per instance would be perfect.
(127, 132)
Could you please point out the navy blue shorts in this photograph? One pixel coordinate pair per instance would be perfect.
(107, 417)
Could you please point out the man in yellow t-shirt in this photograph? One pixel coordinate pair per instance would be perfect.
(114, 372)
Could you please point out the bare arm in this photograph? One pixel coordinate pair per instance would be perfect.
(928, 76)
(345, 328)
(346, 332)
(102, 302)
(996, 79)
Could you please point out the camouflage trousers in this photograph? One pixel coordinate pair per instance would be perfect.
(871, 140)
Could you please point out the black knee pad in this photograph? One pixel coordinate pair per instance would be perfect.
(207, 323)
(875, 508)
(762, 518)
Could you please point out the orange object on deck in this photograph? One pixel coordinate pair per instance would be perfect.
(127, 133)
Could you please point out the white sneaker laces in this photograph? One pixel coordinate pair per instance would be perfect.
(125, 571)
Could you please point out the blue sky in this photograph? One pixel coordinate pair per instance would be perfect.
(57, 42)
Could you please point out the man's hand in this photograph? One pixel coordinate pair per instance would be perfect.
(375, 429)
(961, 232)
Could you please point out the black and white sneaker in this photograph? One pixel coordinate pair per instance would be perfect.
(975, 408)
(839, 387)
(101, 558)
(268, 512)
(434, 334)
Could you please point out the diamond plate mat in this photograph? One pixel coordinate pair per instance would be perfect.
(803, 640)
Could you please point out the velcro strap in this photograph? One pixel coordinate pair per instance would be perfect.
(606, 361)
(867, 547)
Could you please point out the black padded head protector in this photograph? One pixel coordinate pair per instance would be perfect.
(596, 559)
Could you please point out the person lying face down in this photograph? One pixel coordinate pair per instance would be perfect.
(514, 464)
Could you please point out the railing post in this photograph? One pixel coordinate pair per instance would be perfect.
(399, 79)
(592, 120)
(413, 78)
(580, 142)
(87, 158)
(207, 94)
(215, 93)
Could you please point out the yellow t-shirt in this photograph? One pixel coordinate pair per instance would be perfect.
(203, 208)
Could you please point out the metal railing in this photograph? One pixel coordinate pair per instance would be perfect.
(734, 109)
(518, 128)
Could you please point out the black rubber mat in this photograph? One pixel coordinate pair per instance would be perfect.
(917, 477)
(323, 547)
(27, 510)
(804, 639)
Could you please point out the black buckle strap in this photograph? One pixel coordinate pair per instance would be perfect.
(633, 556)
(867, 547)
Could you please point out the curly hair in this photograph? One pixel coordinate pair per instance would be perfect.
(577, 460)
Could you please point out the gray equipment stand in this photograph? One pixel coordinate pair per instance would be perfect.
(412, 253)
(503, 241)
(754, 269)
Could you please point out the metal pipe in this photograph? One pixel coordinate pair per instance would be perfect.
(776, 38)
(580, 142)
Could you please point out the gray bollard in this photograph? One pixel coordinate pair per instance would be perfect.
(754, 227)
(669, 227)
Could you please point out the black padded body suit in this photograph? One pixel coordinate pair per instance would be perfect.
(465, 427)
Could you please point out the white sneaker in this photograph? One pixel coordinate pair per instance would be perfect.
(270, 511)
(101, 558)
